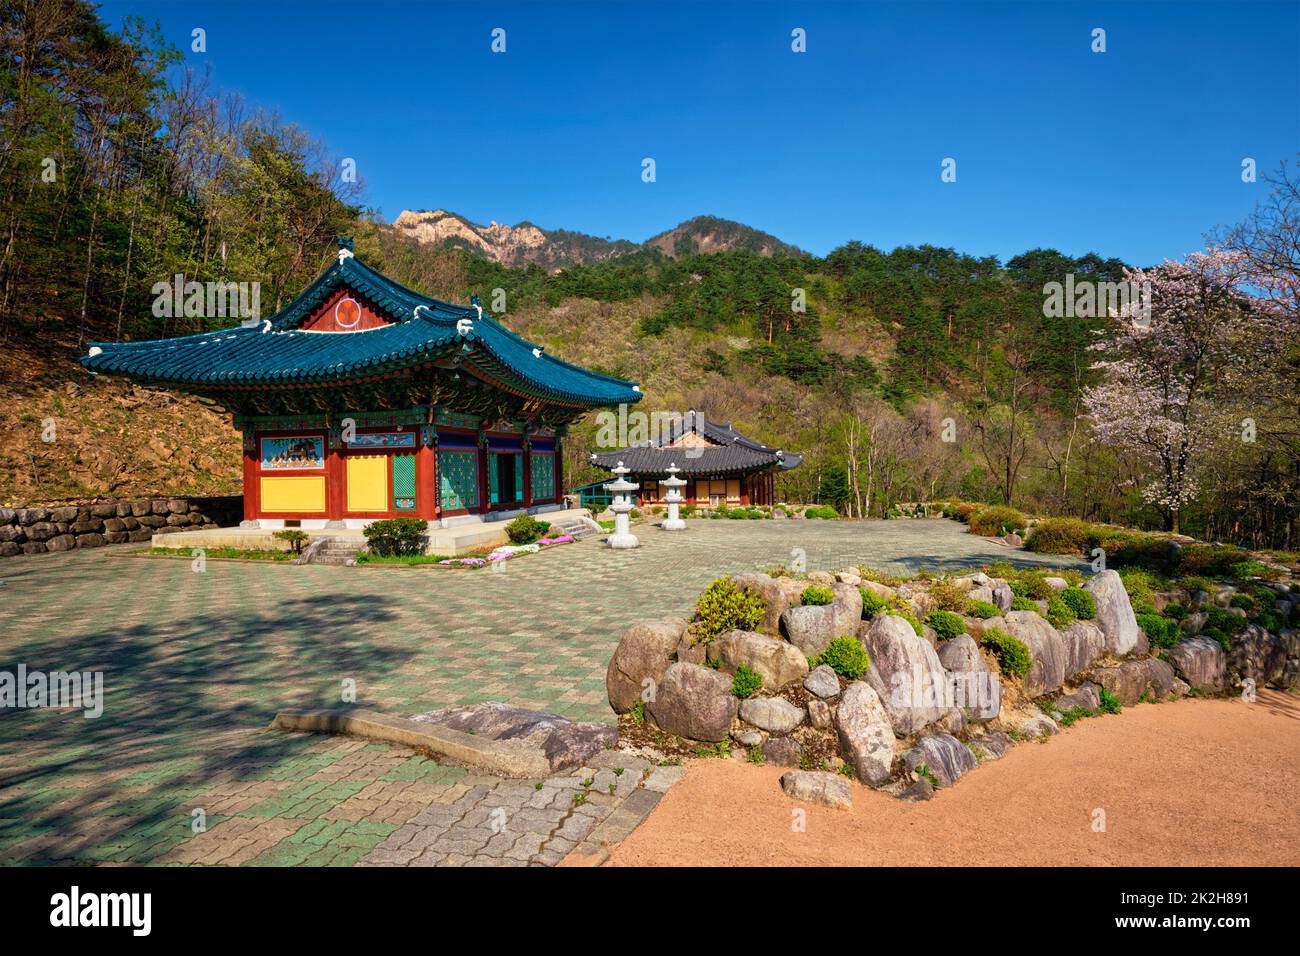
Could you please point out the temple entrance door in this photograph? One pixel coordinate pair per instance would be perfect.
(367, 481)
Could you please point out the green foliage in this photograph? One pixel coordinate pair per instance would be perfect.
(1140, 585)
(396, 536)
(526, 529)
(996, 520)
(1023, 604)
(295, 536)
(638, 712)
(755, 755)
(1058, 536)
(1252, 569)
(1068, 717)
(825, 512)
(1160, 631)
(980, 609)
(946, 595)
(877, 576)
(1013, 656)
(1081, 602)
(925, 773)
(747, 682)
(872, 603)
(1059, 613)
(1109, 702)
(846, 656)
(724, 607)
(946, 624)
(817, 594)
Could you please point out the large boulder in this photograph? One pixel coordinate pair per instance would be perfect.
(694, 702)
(777, 593)
(905, 673)
(944, 756)
(778, 662)
(1114, 612)
(1201, 662)
(776, 715)
(644, 652)
(1130, 680)
(818, 786)
(1084, 643)
(975, 687)
(1002, 596)
(782, 752)
(848, 608)
(1046, 647)
(811, 628)
(866, 734)
(1088, 696)
(822, 681)
(1257, 655)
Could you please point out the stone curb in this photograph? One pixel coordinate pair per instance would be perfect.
(501, 758)
(615, 828)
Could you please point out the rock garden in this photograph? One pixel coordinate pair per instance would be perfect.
(908, 685)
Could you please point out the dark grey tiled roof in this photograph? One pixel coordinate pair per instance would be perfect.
(730, 453)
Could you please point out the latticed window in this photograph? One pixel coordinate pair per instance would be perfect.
(458, 480)
(543, 465)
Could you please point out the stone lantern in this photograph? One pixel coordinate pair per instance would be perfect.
(674, 498)
(622, 507)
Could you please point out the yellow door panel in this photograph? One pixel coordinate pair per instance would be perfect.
(367, 483)
(303, 493)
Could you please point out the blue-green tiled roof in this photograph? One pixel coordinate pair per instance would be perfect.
(276, 352)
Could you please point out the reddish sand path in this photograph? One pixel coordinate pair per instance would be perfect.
(1192, 783)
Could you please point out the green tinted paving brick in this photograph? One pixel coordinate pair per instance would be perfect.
(196, 665)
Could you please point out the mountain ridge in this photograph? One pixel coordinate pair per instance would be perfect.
(527, 243)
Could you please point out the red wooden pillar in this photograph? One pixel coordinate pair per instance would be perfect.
(252, 491)
(559, 469)
(426, 483)
(528, 474)
(335, 481)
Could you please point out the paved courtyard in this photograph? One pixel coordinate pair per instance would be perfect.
(197, 663)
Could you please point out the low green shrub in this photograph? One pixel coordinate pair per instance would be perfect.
(747, 682)
(1023, 604)
(1175, 612)
(946, 595)
(872, 603)
(946, 624)
(1160, 631)
(1081, 602)
(724, 607)
(1140, 585)
(526, 529)
(1109, 702)
(879, 577)
(1252, 569)
(996, 520)
(1059, 614)
(1059, 536)
(825, 512)
(846, 656)
(980, 609)
(394, 536)
(295, 536)
(1013, 656)
(817, 594)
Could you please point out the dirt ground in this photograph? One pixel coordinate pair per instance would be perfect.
(1191, 783)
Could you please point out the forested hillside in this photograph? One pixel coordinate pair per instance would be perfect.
(909, 374)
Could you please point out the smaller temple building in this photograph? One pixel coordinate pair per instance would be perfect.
(719, 464)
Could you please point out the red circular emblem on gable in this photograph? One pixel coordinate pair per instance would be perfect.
(347, 313)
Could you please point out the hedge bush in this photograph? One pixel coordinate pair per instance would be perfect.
(1059, 536)
(996, 520)
(981, 609)
(1080, 602)
(946, 624)
(822, 511)
(1013, 656)
(872, 603)
(1023, 604)
(1160, 631)
(1059, 614)
(817, 594)
(396, 536)
(747, 682)
(724, 607)
(846, 656)
(526, 529)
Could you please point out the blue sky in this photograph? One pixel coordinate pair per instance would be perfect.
(1135, 152)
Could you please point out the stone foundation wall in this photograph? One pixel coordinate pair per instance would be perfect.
(36, 530)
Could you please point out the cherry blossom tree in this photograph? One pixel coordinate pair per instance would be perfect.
(1175, 372)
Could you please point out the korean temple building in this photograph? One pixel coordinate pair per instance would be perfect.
(363, 399)
(719, 464)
